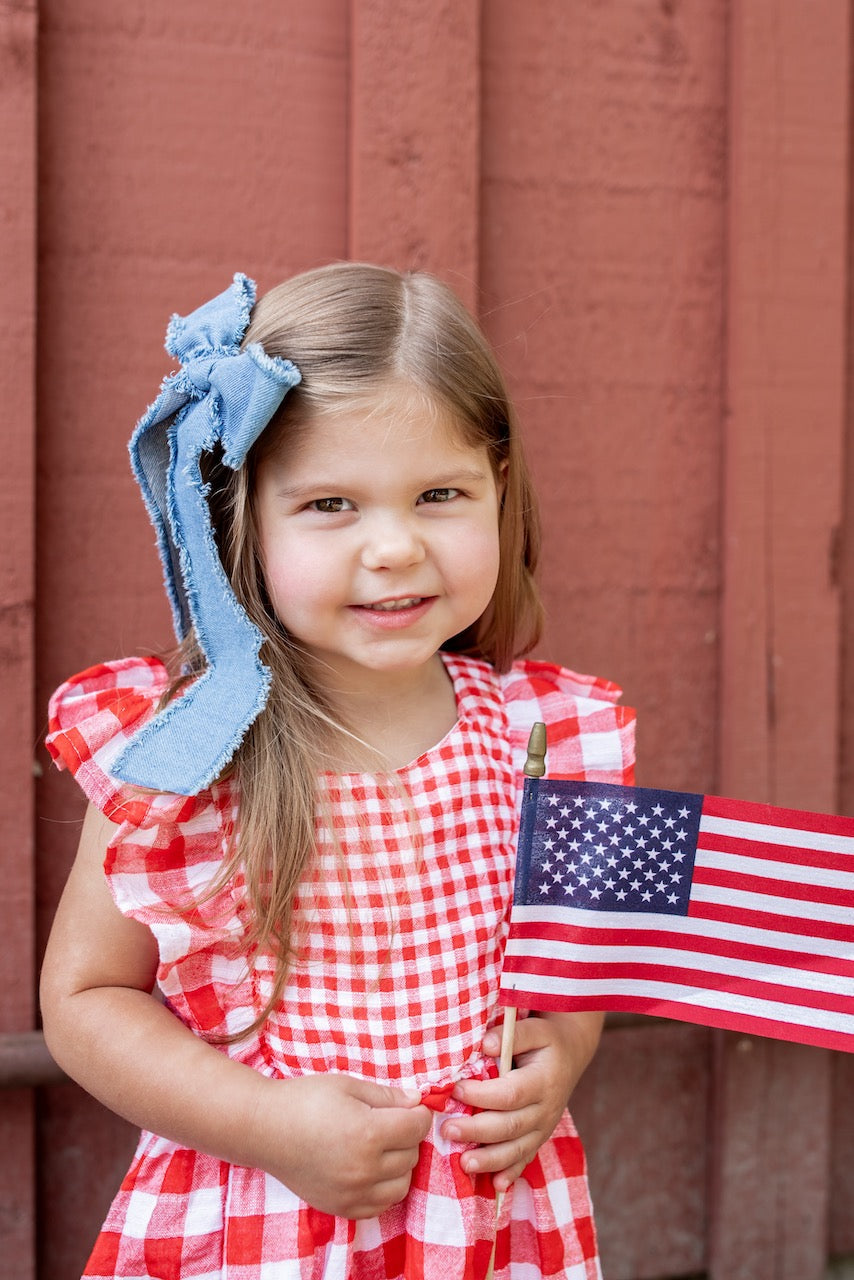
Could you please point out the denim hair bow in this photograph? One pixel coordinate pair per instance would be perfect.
(221, 395)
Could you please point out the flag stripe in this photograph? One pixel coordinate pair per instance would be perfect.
(644, 988)
(735, 880)
(711, 906)
(765, 816)
(819, 990)
(750, 1023)
(753, 944)
(785, 861)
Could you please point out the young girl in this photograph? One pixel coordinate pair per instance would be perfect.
(279, 947)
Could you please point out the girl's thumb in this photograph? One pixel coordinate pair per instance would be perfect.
(384, 1095)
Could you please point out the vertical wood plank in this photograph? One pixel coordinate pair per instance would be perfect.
(780, 674)
(18, 92)
(603, 203)
(769, 1178)
(415, 137)
(786, 368)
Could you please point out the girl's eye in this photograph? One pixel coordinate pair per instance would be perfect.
(331, 506)
(438, 495)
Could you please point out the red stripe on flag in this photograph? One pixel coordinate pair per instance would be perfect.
(807, 928)
(774, 888)
(683, 1011)
(770, 815)
(675, 975)
(765, 850)
(735, 949)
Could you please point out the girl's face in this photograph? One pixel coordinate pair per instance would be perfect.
(378, 529)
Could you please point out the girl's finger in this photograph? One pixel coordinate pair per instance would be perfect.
(490, 1127)
(505, 1158)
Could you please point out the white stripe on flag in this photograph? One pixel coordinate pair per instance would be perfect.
(754, 903)
(665, 993)
(793, 837)
(576, 953)
(767, 869)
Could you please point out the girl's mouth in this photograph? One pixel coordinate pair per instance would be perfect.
(395, 614)
(392, 606)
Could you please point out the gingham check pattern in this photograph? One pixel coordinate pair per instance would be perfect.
(401, 942)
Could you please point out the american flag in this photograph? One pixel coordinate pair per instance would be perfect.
(721, 912)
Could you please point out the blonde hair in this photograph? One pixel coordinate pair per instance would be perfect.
(352, 329)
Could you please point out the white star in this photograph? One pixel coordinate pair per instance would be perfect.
(671, 897)
(553, 799)
(658, 811)
(646, 895)
(631, 807)
(595, 893)
(683, 813)
(621, 895)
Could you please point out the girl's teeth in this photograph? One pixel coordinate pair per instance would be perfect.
(388, 606)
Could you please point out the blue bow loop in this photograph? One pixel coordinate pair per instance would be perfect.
(222, 394)
(216, 326)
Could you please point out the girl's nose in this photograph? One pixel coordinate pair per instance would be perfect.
(392, 542)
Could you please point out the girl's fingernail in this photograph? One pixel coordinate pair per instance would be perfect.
(451, 1132)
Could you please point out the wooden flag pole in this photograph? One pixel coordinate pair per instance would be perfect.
(535, 767)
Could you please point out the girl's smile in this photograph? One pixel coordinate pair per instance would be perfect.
(378, 529)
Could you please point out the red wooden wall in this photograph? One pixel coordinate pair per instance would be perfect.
(647, 201)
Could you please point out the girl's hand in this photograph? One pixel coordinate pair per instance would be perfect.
(345, 1146)
(518, 1112)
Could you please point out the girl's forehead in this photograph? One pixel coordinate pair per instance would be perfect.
(391, 418)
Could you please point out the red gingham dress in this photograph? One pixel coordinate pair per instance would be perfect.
(397, 982)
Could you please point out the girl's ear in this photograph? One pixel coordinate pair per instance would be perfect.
(501, 478)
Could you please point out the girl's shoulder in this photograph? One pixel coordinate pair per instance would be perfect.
(92, 716)
(591, 736)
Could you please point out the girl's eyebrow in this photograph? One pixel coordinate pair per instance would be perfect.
(447, 480)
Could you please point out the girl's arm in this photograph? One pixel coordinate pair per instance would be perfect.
(109, 1032)
(518, 1112)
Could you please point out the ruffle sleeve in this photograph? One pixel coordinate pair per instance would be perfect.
(91, 719)
(591, 737)
(167, 848)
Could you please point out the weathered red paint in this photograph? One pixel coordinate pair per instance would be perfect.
(415, 137)
(18, 44)
(633, 194)
(603, 206)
